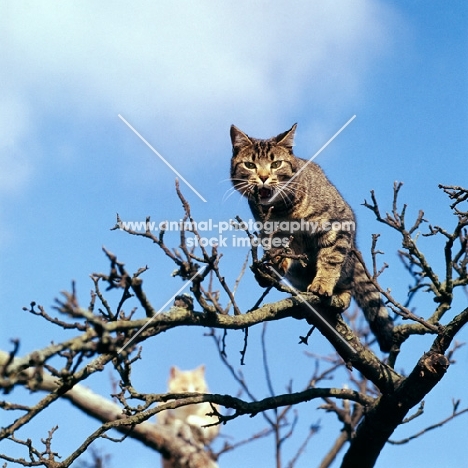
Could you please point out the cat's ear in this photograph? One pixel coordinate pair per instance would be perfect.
(238, 138)
(201, 370)
(174, 372)
(286, 139)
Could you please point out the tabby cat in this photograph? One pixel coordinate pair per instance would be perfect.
(295, 192)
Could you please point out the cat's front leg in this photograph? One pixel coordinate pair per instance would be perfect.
(325, 280)
(330, 259)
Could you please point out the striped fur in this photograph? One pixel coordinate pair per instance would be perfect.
(292, 190)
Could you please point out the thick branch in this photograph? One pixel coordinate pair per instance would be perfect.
(380, 422)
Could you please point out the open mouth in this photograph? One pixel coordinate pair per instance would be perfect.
(265, 193)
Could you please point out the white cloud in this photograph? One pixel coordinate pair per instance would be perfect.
(15, 163)
(176, 54)
(188, 65)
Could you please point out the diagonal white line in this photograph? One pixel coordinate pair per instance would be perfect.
(161, 309)
(315, 155)
(316, 313)
(159, 155)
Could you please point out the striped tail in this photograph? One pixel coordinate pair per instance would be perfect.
(369, 300)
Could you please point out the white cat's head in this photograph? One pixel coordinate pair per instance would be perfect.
(187, 381)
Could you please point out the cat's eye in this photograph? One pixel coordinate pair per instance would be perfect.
(276, 164)
(250, 165)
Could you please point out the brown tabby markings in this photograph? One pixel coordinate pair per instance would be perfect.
(267, 173)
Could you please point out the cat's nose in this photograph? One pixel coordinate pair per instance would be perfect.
(263, 178)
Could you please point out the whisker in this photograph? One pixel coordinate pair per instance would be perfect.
(285, 188)
(229, 179)
(231, 191)
(233, 179)
(290, 184)
(292, 188)
(243, 188)
(228, 193)
(283, 196)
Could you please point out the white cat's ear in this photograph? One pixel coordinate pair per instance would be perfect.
(201, 369)
(286, 139)
(174, 372)
(238, 138)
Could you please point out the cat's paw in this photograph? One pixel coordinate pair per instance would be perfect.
(321, 287)
(341, 300)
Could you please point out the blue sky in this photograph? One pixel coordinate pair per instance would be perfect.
(181, 75)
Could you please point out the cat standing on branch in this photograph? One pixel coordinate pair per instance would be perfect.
(282, 187)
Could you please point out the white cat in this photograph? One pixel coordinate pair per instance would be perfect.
(193, 415)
